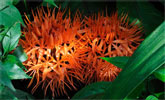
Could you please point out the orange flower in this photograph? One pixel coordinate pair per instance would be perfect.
(61, 50)
(52, 45)
(108, 37)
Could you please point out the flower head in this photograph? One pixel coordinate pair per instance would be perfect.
(60, 49)
(52, 46)
(108, 36)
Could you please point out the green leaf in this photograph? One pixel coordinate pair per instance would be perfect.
(148, 57)
(3, 31)
(160, 74)
(144, 11)
(20, 54)
(117, 61)
(51, 2)
(4, 78)
(23, 95)
(151, 97)
(10, 42)
(135, 94)
(92, 91)
(160, 95)
(10, 15)
(13, 70)
(1, 88)
(0, 51)
(4, 3)
(6, 94)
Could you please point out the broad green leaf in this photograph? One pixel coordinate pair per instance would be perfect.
(23, 95)
(135, 94)
(148, 57)
(151, 97)
(20, 54)
(4, 78)
(12, 68)
(10, 15)
(5, 94)
(10, 41)
(3, 31)
(160, 74)
(144, 11)
(92, 91)
(117, 61)
(51, 2)
(160, 95)
(4, 3)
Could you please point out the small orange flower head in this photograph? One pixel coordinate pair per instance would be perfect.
(108, 36)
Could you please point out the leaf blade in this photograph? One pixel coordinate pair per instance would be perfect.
(117, 61)
(10, 41)
(151, 97)
(20, 54)
(12, 68)
(146, 59)
(91, 91)
(10, 15)
(4, 78)
(51, 2)
(160, 74)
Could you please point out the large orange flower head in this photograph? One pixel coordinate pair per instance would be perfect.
(52, 45)
(108, 36)
(61, 50)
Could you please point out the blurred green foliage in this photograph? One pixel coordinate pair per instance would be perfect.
(11, 67)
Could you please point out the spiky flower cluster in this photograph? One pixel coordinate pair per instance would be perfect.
(61, 50)
(108, 37)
